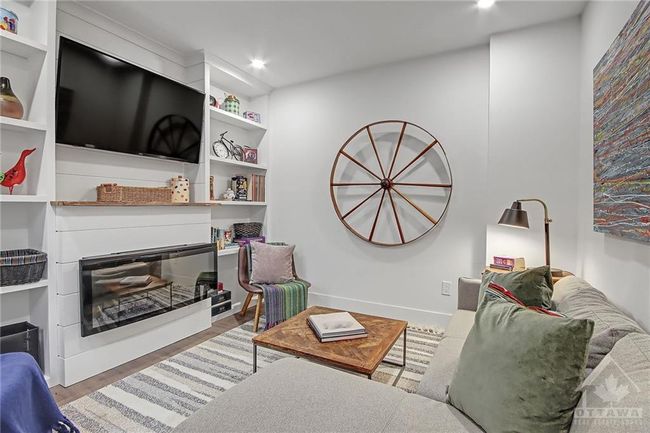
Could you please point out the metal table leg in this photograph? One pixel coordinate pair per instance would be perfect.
(403, 364)
(254, 358)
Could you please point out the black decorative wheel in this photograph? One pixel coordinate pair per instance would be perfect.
(391, 182)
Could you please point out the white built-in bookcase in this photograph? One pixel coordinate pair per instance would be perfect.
(215, 77)
(26, 217)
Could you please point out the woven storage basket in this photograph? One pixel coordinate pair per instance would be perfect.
(21, 266)
(247, 230)
(112, 193)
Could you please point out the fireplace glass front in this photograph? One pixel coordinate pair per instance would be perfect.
(123, 288)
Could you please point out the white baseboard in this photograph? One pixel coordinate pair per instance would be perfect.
(413, 315)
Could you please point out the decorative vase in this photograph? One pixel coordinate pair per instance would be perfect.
(180, 189)
(10, 105)
(231, 104)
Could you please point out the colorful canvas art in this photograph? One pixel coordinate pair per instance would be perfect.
(622, 132)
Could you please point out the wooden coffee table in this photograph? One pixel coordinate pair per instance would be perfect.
(362, 355)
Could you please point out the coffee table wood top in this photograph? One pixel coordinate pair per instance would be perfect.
(362, 355)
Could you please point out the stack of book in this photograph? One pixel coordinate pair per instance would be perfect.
(256, 188)
(336, 327)
(508, 264)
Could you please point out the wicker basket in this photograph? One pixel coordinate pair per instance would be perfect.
(247, 230)
(21, 266)
(113, 193)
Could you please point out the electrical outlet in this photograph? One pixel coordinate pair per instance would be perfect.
(446, 288)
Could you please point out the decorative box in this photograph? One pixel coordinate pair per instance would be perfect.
(250, 155)
(253, 116)
(231, 104)
(180, 189)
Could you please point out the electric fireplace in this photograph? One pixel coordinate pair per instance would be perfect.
(119, 289)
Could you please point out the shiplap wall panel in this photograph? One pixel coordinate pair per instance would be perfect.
(97, 218)
(67, 278)
(102, 357)
(68, 309)
(74, 344)
(75, 245)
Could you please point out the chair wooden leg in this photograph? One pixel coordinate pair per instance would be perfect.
(247, 302)
(258, 310)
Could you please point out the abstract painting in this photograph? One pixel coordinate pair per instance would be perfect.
(622, 132)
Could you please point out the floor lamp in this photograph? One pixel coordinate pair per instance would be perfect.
(515, 216)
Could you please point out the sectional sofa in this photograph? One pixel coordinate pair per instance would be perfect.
(293, 395)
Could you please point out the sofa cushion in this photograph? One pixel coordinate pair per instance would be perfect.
(294, 395)
(441, 369)
(616, 395)
(460, 324)
(534, 286)
(576, 298)
(520, 370)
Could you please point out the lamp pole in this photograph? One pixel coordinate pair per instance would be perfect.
(547, 222)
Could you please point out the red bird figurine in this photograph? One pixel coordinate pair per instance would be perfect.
(16, 175)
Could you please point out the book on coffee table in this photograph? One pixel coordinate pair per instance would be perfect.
(336, 327)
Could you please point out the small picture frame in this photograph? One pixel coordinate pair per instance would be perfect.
(250, 155)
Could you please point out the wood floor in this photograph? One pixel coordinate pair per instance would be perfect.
(65, 395)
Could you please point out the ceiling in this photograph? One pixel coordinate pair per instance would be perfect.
(302, 41)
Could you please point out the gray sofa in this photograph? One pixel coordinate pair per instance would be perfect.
(293, 395)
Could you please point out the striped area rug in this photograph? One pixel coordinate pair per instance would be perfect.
(158, 398)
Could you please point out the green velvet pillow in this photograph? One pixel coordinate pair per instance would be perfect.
(520, 370)
(534, 286)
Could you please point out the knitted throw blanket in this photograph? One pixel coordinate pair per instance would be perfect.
(282, 301)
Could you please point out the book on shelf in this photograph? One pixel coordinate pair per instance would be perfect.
(516, 264)
(336, 327)
(500, 267)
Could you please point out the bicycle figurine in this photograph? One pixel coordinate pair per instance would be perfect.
(225, 148)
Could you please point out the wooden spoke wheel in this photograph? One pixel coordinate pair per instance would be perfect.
(391, 182)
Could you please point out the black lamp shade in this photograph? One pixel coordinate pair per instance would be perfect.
(514, 216)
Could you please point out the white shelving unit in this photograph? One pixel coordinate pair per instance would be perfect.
(239, 203)
(236, 163)
(23, 287)
(234, 120)
(22, 47)
(218, 78)
(26, 217)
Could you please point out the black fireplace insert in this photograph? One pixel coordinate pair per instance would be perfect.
(122, 288)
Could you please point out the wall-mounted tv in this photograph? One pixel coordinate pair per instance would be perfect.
(103, 102)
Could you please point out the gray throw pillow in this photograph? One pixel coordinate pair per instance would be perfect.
(576, 298)
(271, 264)
(534, 286)
(520, 370)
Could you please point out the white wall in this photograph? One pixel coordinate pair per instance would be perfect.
(448, 96)
(533, 136)
(619, 267)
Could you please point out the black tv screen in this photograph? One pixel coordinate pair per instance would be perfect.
(106, 103)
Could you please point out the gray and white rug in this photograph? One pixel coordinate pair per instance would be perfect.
(158, 398)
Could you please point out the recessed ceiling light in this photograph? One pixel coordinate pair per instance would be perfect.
(485, 4)
(258, 63)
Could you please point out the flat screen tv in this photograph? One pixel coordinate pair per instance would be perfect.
(103, 102)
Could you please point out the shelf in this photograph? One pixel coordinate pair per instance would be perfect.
(6, 198)
(228, 252)
(235, 120)
(23, 287)
(239, 203)
(21, 46)
(9, 124)
(61, 203)
(237, 163)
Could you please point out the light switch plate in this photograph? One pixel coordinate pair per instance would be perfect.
(446, 288)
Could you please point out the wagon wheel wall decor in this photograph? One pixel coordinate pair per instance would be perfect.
(391, 182)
